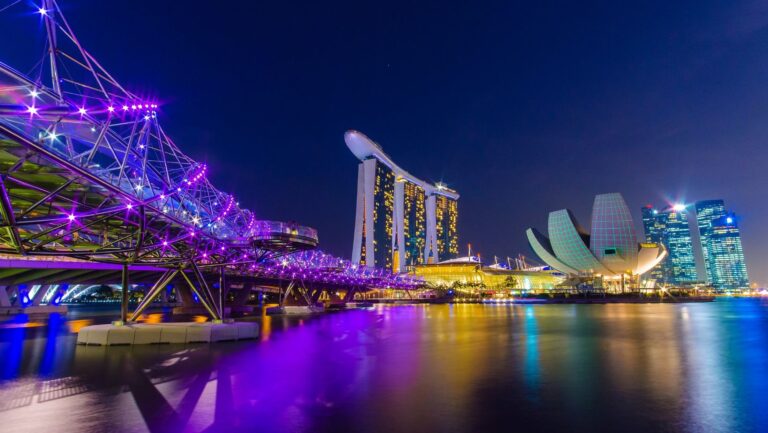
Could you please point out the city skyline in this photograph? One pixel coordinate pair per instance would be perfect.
(498, 142)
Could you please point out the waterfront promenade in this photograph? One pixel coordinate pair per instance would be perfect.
(413, 368)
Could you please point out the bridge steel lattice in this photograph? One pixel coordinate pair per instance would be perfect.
(88, 172)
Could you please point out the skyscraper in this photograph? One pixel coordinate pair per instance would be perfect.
(670, 227)
(400, 219)
(446, 217)
(654, 230)
(721, 246)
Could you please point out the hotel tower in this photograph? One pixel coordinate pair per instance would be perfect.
(400, 220)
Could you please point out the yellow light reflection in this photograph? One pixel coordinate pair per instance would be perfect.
(151, 319)
(76, 325)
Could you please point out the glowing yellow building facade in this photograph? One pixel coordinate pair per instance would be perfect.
(414, 223)
(446, 217)
(473, 276)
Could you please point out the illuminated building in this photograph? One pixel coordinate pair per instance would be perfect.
(721, 246)
(671, 228)
(446, 215)
(653, 234)
(414, 222)
(610, 252)
(467, 274)
(400, 220)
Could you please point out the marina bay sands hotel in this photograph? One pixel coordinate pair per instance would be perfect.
(400, 219)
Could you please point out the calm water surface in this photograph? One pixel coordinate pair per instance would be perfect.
(439, 368)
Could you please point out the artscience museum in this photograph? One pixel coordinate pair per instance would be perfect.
(610, 250)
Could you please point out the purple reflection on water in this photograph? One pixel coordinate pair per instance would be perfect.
(634, 368)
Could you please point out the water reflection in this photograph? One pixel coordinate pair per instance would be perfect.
(633, 368)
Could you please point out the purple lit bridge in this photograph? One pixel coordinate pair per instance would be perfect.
(93, 191)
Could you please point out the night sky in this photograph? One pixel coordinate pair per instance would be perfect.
(523, 108)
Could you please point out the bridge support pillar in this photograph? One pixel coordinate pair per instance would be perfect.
(222, 285)
(124, 297)
(350, 295)
(157, 288)
(184, 295)
(316, 295)
(203, 294)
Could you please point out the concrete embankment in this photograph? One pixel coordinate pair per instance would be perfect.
(161, 333)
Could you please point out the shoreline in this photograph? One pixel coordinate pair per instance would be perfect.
(556, 300)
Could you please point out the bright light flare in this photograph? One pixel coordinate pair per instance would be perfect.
(42, 11)
(678, 207)
(82, 110)
(32, 110)
(71, 217)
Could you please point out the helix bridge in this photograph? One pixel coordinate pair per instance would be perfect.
(87, 173)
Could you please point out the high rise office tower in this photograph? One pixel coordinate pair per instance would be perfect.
(708, 211)
(651, 224)
(721, 246)
(670, 227)
(400, 220)
(654, 231)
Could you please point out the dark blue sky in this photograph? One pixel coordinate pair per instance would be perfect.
(523, 108)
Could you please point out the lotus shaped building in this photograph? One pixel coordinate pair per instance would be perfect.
(609, 250)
